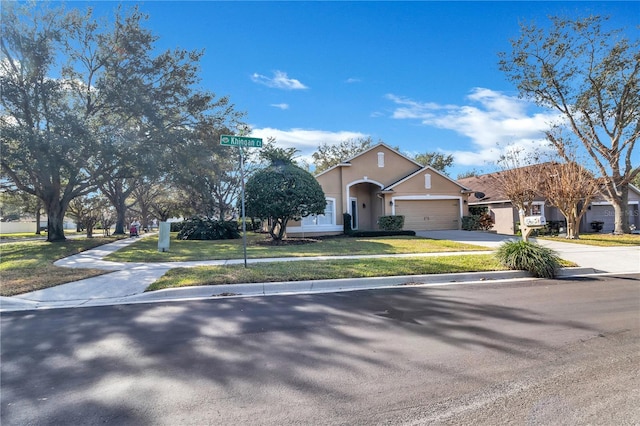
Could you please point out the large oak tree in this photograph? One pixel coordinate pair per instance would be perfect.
(590, 75)
(75, 88)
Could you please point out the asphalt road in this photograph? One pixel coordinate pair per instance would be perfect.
(539, 352)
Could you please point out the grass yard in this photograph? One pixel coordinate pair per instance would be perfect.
(31, 235)
(603, 240)
(28, 265)
(146, 250)
(302, 270)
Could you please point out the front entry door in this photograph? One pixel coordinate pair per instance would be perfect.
(354, 213)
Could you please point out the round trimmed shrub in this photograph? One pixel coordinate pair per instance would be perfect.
(539, 261)
(208, 229)
(391, 223)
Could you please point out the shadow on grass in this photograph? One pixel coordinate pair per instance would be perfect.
(146, 250)
(138, 364)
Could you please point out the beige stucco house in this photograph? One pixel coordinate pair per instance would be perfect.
(379, 182)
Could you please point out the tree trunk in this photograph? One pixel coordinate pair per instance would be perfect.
(278, 229)
(221, 208)
(524, 229)
(621, 212)
(55, 220)
(144, 212)
(282, 232)
(272, 230)
(121, 211)
(38, 208)
(572, 228)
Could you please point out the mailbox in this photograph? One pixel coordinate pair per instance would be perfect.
(535, 221)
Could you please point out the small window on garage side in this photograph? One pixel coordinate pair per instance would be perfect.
(381, 159)
(427, 181)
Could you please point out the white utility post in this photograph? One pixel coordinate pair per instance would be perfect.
(164, 236)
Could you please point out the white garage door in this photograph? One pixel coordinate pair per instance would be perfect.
(432, 215)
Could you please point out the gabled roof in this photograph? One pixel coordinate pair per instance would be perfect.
(489, 186)
(423, 169)
(347, 162)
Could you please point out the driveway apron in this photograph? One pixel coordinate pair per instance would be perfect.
(619, 260)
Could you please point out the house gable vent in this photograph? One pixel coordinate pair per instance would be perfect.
(427, 181)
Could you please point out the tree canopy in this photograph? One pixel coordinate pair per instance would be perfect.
(84, 100)
(570, 188)
(589, 74)
(436, 160)
(282, 192)
(328, 155)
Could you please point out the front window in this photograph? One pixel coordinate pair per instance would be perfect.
(328, 218)
(536, 209)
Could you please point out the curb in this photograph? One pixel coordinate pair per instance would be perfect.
(12, 304)
(577, 271)
(337, 285)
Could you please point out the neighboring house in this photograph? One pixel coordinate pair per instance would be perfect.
(380, 182)
(601, 210)
(487, 194)
(28, 224)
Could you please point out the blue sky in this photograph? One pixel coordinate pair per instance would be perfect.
(419, 75)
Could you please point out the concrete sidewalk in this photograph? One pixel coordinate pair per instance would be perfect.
(127, 282)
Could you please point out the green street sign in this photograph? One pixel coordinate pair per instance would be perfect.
(243, 141)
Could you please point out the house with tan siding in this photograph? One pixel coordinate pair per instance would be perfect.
(380, 182)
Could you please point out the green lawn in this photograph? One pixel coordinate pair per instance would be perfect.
(302, 270)
(146, 250)
(27, 235)
(603, 240)
(28, 265)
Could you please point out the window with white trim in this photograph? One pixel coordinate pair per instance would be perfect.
(381, 159)
(427, 181)
(328, 218)
(537, 209)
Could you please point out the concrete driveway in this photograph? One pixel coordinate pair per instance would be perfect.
(618, 260)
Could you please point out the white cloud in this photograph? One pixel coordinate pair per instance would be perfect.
(352, 80)
(306, 141)
(492, 121)
(280, 80)
(281, 106)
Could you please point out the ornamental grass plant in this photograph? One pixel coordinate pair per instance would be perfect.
(540, 261)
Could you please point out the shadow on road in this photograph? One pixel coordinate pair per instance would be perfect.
(116, 360)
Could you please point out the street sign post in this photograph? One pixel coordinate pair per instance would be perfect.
(242, 142)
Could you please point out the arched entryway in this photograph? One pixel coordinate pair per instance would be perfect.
(364, 205)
